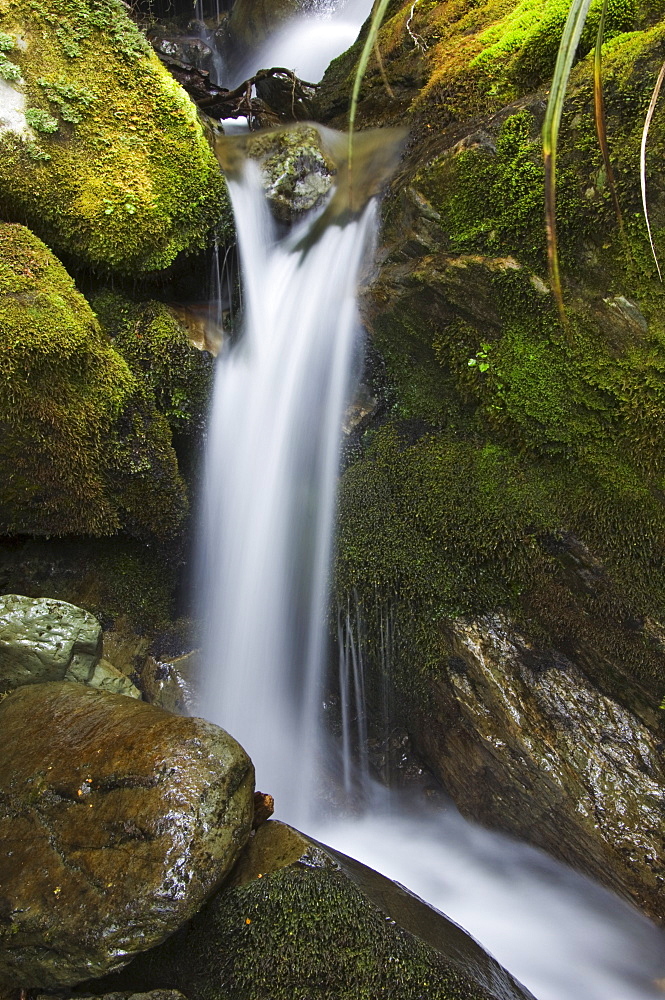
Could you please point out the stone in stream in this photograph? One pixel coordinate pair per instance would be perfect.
(299, 920)
(117, 821)
(42, 640)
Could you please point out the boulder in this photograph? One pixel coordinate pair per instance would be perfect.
(298, 919)
(43, 640)
(297, 170)
(106, 677)
(528, 742)
(117, 821)
(83, 447)
(103, 154)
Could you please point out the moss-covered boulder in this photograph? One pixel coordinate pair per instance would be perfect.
(518, 465)
(103, 154)
(117, 820)
(158, 347)
(83, 449)
(300, 920)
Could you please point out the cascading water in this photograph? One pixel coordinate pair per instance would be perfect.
(271, 471)
(270, 485)
(271, 474)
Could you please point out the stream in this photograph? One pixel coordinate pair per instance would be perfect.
(266, 542)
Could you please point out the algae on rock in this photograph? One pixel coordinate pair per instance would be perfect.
(109, 163)
(296, 919)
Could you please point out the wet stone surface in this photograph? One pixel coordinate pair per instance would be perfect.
(117, 820)
(298, 920)
(42, 639)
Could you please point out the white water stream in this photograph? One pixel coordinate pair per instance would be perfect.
(269, 508)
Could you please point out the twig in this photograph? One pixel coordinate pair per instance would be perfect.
(418, 40)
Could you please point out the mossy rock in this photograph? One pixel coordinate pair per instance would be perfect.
(83, 449)
(158, 349)
(298, 920)
(107, 160)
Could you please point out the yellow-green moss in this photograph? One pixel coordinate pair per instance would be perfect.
(156, 346)
(128, 180)
(82, 449)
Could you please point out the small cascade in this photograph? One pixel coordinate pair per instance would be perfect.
(270, 487)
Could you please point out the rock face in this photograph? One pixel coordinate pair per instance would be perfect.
(103, 154)
(117, 820)
(83, 446)
(298, 919)
(517, 469)
(43, 640)
(528, 742)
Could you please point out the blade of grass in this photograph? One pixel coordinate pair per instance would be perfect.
(382, 70)
(643, 159)
(378, 14)
(569, 41)
(601, 118)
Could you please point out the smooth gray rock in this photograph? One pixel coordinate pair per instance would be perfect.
(42, 639)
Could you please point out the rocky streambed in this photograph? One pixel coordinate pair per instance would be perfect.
(127, 837)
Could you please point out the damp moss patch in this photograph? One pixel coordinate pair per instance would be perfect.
(83, 449)
(114, 170)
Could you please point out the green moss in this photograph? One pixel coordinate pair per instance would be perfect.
(446, 527)
(42, 121)
(306, 930)
(156, 346)
(82, 449)
(122, 581)
(131, 181)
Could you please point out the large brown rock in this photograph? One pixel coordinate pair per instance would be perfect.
(117, 820)
(299, 920)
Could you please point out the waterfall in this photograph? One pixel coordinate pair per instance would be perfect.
(270, 487)
(271, 470)
(267, 522)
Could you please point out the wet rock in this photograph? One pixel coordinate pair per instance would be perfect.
(529, 744)
(43, 640)
(187, 49)
(170, 684)
(106, 677)
(297, 919)
(117, 820)
(297, 172)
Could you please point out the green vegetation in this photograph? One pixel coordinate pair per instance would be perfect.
(156, 346)
(83, 449)
(127, 181)
(520, 467)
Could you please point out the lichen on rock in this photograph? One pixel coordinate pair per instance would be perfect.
(125, 179)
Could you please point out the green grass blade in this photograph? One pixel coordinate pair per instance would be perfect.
(569, 41)
(601, 118)
(378, 14)
(643, 158)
